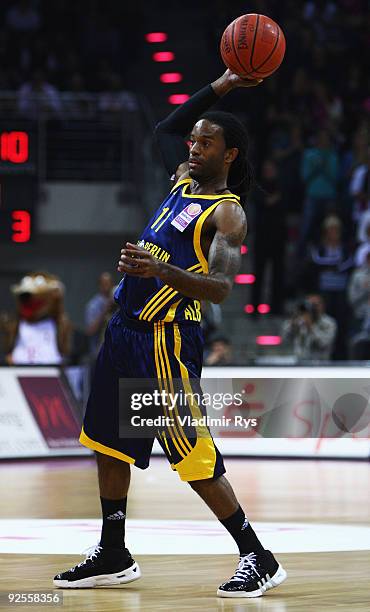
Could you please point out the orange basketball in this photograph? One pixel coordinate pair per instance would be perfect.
(253, 46)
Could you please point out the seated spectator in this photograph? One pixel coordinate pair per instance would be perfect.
(77, 103)
(98, 312)
(330, 266)
(41, 332)
(310, 331)
(220, 353)
(115, 99)
(38, 96)
(23, 17)
(320, 175)
(359, 291)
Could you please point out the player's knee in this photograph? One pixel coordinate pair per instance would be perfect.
(110, 462)
(198, 485)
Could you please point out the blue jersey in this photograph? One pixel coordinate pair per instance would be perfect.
(172, 235)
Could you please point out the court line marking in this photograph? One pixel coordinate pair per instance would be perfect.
(150, 537)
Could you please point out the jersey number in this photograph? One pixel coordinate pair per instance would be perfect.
(155, 224)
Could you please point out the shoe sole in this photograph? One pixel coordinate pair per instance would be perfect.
(279, 577)
(128, 575)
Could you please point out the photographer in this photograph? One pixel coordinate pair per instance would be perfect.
(310, 330)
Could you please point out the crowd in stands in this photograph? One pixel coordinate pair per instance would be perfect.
(311, 146)
(309, 126)
(49, 49)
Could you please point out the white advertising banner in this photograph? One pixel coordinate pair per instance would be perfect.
(291, 391)
(37, 414)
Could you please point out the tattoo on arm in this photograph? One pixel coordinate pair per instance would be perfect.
(224, 254)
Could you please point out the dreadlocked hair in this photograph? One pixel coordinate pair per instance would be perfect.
(241, 174)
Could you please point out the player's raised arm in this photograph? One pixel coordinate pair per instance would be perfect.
(171, 132)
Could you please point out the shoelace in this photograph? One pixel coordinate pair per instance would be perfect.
(90, 553)
(246, 567)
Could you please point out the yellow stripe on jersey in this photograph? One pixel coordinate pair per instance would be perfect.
(223, 196)
(198, 231)
(161, 294)
(144, 315)
(171, 312)
(152, 313)
(186, 180)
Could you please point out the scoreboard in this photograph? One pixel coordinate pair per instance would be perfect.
(18, 185)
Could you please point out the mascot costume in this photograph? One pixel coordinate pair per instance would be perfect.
(41, 331)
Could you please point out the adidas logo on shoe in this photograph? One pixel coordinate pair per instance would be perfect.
(117, 516)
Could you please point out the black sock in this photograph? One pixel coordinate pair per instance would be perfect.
(243, 534)
(114, 518)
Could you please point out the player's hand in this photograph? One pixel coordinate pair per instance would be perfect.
(237, 81)
(136, 261)
(229, 80)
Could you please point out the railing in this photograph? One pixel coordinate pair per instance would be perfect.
(84, 137)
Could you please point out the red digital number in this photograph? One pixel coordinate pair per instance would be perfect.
(14, 147)
(21, 226)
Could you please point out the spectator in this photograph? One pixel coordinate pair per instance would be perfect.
(362, 249)
(359, 291)
(22, 17)
(220, 353)
(359, 349)
(270, 236)
(98, 311)
(310, 330)
(320, 175)
(38, 96)
(360, 191)
(330, 263)
(115, 99)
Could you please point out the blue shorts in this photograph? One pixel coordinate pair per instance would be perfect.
(161, 351)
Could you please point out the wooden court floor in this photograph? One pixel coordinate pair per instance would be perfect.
(308, 491)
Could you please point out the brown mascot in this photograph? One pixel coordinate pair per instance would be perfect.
(41, 331)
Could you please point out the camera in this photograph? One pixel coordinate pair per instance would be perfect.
(306, 307)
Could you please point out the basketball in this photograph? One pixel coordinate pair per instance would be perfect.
(253, 46)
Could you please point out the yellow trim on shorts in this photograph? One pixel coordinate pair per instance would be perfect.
(101, 448)
(183, 439)
(178, 436)
(198, 230)
(160, 371)
(200, 464)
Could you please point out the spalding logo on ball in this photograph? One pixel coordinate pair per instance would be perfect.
(253, 46)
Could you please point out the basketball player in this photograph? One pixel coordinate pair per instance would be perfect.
(189, 251)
